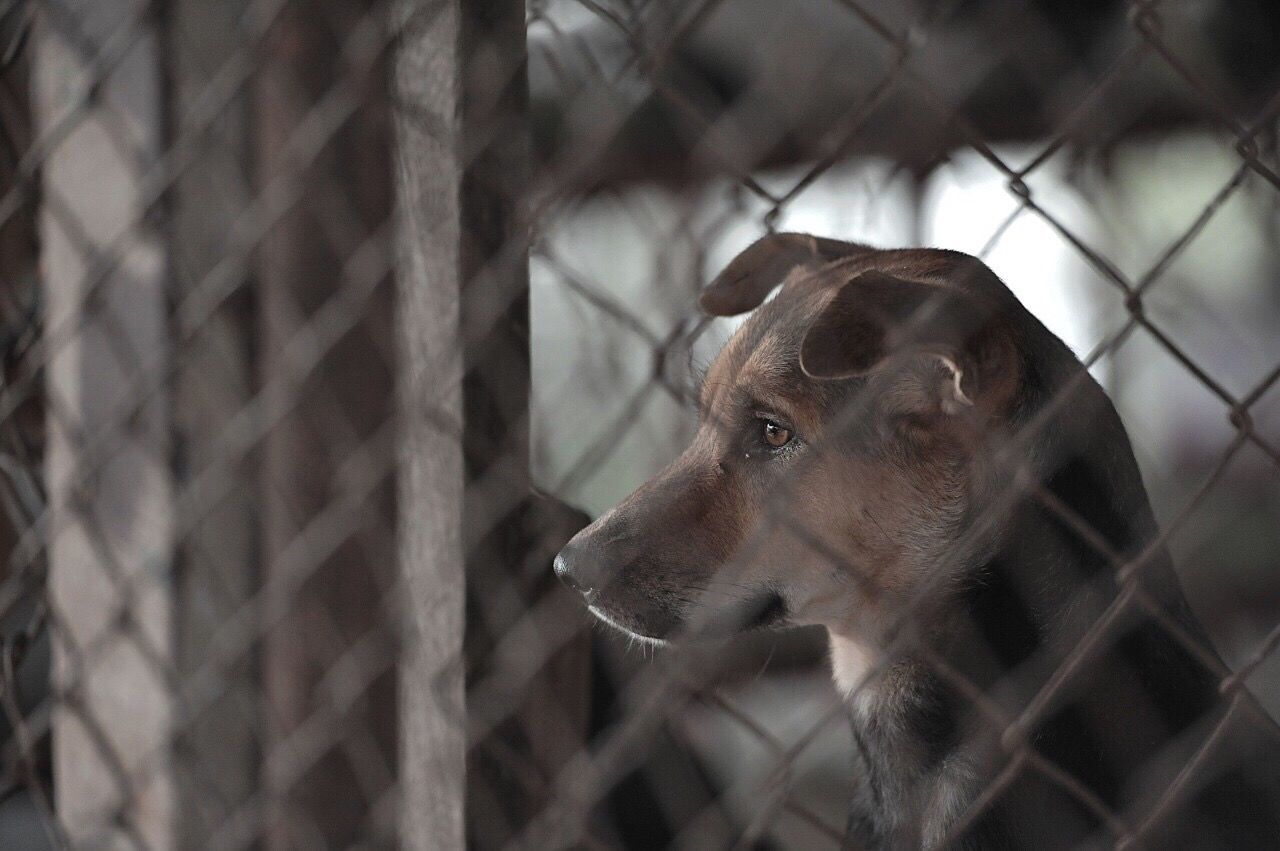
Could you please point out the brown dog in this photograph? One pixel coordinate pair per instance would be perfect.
(894, 448)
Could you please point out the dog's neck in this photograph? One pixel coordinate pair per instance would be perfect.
(922, 754)
(904, 725)
(922, 751)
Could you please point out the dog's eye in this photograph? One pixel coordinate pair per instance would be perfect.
(775, 435)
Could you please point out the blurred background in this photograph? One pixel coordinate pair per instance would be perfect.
(267, 267)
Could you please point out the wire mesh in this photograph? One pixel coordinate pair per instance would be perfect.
(202, 290)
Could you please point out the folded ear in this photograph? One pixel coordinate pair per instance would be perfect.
(876, 316)
(750, 276)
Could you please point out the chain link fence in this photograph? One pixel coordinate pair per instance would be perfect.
(327, 324)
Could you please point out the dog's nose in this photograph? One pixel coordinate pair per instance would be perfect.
(570, 568)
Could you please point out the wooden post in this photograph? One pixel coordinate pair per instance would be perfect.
(430, 490)
(218, 561)
(327, 464)
(466, 505)
(108, 459)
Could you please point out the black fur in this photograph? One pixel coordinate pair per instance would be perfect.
(1132, 716)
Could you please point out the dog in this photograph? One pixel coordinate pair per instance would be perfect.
(894, 448)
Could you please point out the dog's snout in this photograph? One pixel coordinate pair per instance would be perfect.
(573, 568)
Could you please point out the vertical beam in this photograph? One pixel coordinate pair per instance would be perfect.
(498, 534)
(327, 474)
(466, 506)
(217, 557)
(107, 464)
(430, 489)
(464, 333)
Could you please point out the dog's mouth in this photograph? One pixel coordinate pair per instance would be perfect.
(610, 620)
(770, 611)
(766, 611)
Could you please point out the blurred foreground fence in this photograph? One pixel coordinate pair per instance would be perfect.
(282, 457)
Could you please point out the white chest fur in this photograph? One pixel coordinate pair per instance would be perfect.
(851, 661)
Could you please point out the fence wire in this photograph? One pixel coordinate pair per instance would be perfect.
(202, 434)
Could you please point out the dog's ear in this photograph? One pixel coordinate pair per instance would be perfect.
(749, 277)
(876, 316)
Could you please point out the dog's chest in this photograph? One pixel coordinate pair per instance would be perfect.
(851, 661)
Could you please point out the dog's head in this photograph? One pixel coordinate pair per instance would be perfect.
(840, 446)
